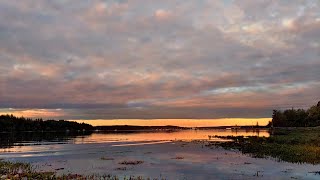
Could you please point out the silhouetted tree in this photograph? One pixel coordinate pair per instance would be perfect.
(297, 117)
(17, 124)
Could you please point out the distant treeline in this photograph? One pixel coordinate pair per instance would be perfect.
(296, 117)
(232, 127)
(10, 123)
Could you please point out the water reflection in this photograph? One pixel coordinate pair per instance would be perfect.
(19, 140)
(168, 135)
(10, 140)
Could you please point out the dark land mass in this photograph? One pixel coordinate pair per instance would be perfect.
(10, 123)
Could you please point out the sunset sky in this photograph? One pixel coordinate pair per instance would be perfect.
(155, 59)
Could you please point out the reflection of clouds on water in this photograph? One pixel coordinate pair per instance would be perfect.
(55, 144)
(141, 143)
(25, 139)
(34, 140)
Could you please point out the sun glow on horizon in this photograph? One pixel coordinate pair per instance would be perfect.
(34, 113)
(179, 122)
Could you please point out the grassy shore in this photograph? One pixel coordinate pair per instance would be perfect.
(10, 170)
(17, 171)
(296, 145)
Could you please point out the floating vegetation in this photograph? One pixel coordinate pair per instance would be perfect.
(107, 158)
(121, 169)
(315, 172)
(258, 173)
(58, 169)
(131, 162)
(178, 157)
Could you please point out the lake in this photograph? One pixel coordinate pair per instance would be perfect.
(161, 154)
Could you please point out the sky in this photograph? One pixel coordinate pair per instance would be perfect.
(158, 59)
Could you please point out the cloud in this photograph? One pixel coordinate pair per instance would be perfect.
(161, 14)
(100, 7)
(289, 24)
(34, 113)
(155, 59)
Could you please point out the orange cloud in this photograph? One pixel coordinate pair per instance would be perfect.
(161, 14)
(35, 113)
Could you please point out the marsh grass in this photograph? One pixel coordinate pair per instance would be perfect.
(17, 171)
(12, 170)
(300, 145)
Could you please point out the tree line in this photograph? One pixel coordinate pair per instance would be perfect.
(10, 123)
(296, 117)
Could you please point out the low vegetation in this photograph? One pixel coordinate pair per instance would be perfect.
(298, 145)
(131, 162)
(9, 170)
(178, 157)
(17, 171)
(107, 158)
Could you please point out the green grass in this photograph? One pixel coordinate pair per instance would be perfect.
(299, 145)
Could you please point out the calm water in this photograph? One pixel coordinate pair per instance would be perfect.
(29, 141)
(82, 154)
